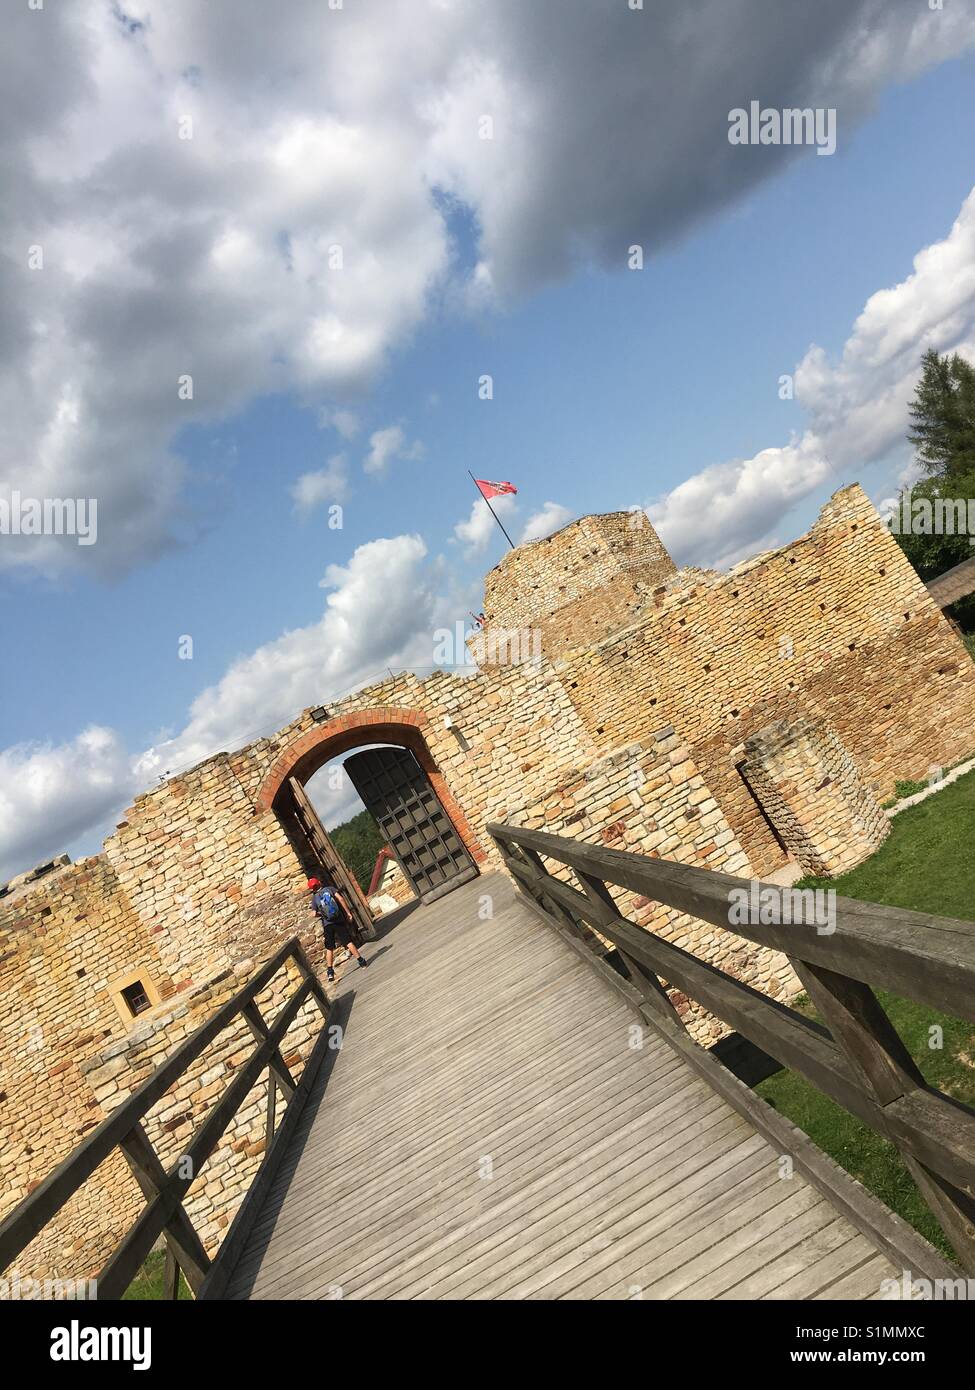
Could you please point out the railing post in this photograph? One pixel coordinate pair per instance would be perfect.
(271, 1108)
(171, 1276)
(642, 977)
(874, 1048)
(532, 877)
(309, 976)
(276, 1068)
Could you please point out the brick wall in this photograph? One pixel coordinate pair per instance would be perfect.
(815, 795)
(579, 584)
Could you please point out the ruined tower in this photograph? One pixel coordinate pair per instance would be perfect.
(579, 584)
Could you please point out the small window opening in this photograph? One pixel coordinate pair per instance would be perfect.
(136, 998)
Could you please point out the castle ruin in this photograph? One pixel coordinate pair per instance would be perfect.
(751, 722)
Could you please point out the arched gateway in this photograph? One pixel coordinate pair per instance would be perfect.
(401, 786)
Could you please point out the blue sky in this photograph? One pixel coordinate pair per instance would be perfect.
(611, 389)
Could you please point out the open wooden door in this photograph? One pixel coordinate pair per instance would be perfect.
(399, 796)
(324, 851)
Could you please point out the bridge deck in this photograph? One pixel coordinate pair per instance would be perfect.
(487, 1131)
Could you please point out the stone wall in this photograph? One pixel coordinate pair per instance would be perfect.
(837, 626)
(213, 883)
(63, 943)
(651, 798)
(579, 584)
(814, 794)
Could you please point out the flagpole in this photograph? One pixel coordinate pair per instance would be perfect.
(490, 509)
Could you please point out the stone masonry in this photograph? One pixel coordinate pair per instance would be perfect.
(739, 721)
(814, 792)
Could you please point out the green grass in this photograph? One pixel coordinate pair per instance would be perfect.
(927, 864)
(148, 1283)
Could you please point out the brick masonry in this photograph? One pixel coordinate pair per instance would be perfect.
(823, 670)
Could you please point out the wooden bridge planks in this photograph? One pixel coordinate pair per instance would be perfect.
(616, 1172)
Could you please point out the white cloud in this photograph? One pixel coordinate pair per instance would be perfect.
(476, 532)
(333, 795)
(51, 793)
(550, 518)
(857, 408)
(382, 610)
(329, 484)
(387, 445)
(302, 232)
(344, 422)
(719, 515)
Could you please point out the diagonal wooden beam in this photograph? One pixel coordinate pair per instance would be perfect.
(647, 981)
(283, 1079)
(181, 1238)
(124, 1263)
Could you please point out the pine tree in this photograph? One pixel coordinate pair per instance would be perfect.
(358, 841)
(943, 415)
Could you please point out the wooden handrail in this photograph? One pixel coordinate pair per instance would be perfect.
(858, 1059)
(928, 959)
(165, 1191)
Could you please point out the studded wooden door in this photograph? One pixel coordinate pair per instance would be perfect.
(398, 794)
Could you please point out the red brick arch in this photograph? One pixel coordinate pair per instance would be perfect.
(379, 724)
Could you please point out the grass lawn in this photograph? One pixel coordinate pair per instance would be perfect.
(928, 864)
(148, 1283)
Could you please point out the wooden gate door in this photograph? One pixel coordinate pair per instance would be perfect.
(331, 861)
(397, 793)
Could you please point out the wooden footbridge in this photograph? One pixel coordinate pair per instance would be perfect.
(517, 1112)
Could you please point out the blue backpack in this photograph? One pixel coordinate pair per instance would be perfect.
(326, 905)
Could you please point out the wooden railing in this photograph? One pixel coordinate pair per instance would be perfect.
(165, 1191)
(860, 1062)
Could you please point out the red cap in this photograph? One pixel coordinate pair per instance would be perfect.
(314, 883)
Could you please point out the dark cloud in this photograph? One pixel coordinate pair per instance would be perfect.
(358, 127)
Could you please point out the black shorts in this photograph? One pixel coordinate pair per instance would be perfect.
(340, 930)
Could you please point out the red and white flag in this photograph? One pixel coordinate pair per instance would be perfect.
(489, 490)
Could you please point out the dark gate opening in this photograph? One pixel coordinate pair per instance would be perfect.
(399, 796)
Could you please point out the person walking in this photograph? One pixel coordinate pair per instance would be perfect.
(337, 924)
